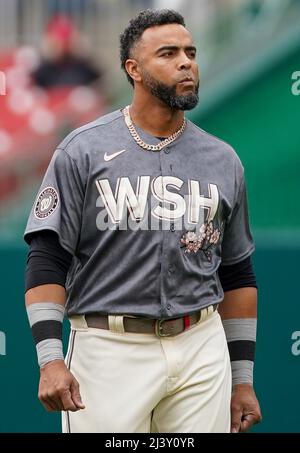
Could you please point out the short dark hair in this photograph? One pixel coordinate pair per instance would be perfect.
(136, 27)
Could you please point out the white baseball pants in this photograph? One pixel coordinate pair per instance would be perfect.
(140, 383)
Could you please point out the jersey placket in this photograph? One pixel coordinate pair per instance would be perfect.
(167, 268)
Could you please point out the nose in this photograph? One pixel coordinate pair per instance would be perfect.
(184, 61)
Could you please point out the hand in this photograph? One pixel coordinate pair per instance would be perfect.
(245, 410)
(58, 389)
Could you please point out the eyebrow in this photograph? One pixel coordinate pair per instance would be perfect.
(175, 48)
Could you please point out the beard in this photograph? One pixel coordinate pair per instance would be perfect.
(167, 94)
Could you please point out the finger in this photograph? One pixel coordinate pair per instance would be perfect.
(250, 420)
(247, 421)
(236, 417)
(47, 403)
(68, 404)
(55, 401)
(48, 407)
(75, 395)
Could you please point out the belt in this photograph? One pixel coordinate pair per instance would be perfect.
(160, 327)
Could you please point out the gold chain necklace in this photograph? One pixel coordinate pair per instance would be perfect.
(144, 145)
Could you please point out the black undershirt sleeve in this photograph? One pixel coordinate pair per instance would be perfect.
(47, 262)
(239, 275)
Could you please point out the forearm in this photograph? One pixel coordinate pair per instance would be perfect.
(239, 312)
(46, 293)
(239, 303)
(45, 309)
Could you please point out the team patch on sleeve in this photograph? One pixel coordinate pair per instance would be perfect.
(46, 203)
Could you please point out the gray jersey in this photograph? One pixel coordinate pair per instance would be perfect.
(148, 230)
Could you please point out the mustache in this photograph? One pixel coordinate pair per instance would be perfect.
(197, 85)
(188, 77)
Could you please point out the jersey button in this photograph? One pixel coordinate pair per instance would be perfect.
(169, 307)
(172, 227)
(167, 150)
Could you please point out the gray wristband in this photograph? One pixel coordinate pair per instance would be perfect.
(241, 339)
(45, 319)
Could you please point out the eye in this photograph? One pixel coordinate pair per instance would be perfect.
(192, 53)
(168, 53)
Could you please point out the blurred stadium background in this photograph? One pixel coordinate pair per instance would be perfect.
(248, 51)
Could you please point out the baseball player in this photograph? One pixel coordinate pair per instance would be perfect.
(140, 235)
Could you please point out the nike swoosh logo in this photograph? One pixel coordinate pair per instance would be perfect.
(112, 156)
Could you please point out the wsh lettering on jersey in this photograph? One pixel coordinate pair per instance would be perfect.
(161, 197)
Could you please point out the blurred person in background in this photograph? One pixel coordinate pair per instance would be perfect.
(63, 63)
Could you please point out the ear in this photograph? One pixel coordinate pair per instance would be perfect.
(132, 67)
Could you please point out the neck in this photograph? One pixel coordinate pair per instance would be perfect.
(155, 117)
